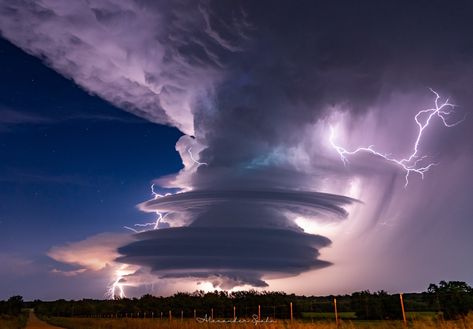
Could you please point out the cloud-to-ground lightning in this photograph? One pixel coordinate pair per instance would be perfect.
(410, 164)
(117, 284)
(116, 288)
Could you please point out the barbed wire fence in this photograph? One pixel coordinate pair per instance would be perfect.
(336, 309)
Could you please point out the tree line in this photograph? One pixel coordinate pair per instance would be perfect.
(12, 306)
(451, 300)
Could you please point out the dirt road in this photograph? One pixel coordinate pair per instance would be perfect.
(35, 323)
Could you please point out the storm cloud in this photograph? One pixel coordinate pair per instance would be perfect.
(234, 255)
(297, 201)
(255, 88)
(235, 237)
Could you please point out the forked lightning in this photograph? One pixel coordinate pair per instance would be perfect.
(412, 163)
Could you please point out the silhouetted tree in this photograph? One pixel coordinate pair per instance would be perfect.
(453, 298)
(376, 306)
(12, 306)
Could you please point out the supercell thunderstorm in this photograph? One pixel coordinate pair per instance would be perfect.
(307, 203)
(253, 92)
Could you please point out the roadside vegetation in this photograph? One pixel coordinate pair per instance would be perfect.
(446, 305)
(12, 315)
(447, 301)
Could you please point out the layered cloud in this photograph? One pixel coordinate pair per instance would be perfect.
(235, 237)
(301, 202)
(255, 88)
(235, 255)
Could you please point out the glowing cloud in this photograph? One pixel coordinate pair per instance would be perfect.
(94, 253)
(412, 163)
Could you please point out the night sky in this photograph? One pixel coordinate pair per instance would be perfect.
(158, 146)
(72, 165)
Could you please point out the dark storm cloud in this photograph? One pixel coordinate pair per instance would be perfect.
(308, 55)
(256, 83)
(296, 201)
(153, 58)
(241, 255)
(235, 237)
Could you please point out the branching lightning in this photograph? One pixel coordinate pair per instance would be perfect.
(189, 150)
(412, 163)
(155, 224)
(117, 285)
(116, 288)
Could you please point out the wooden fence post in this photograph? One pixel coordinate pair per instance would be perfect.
(259, 312)
(234, 312)
(402, 308)
(336, 311)
(170, 315)
(292, 315)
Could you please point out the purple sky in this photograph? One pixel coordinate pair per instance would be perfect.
(264, 199)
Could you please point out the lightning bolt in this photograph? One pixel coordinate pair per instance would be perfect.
(410, 164)
(155, 225)
(189, 150)
(116, 288)
(117, 285)
(159, 218)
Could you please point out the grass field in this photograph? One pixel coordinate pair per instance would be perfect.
(12, 322)
(88, 323)
(328, 315)
(351, 315)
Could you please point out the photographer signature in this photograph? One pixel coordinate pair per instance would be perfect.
(254, 319)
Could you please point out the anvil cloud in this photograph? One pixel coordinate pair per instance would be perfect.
(254, 86)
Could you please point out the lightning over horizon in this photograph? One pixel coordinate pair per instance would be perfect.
(410, 164)
(153, 146)
(118, 275)
(116, 289)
